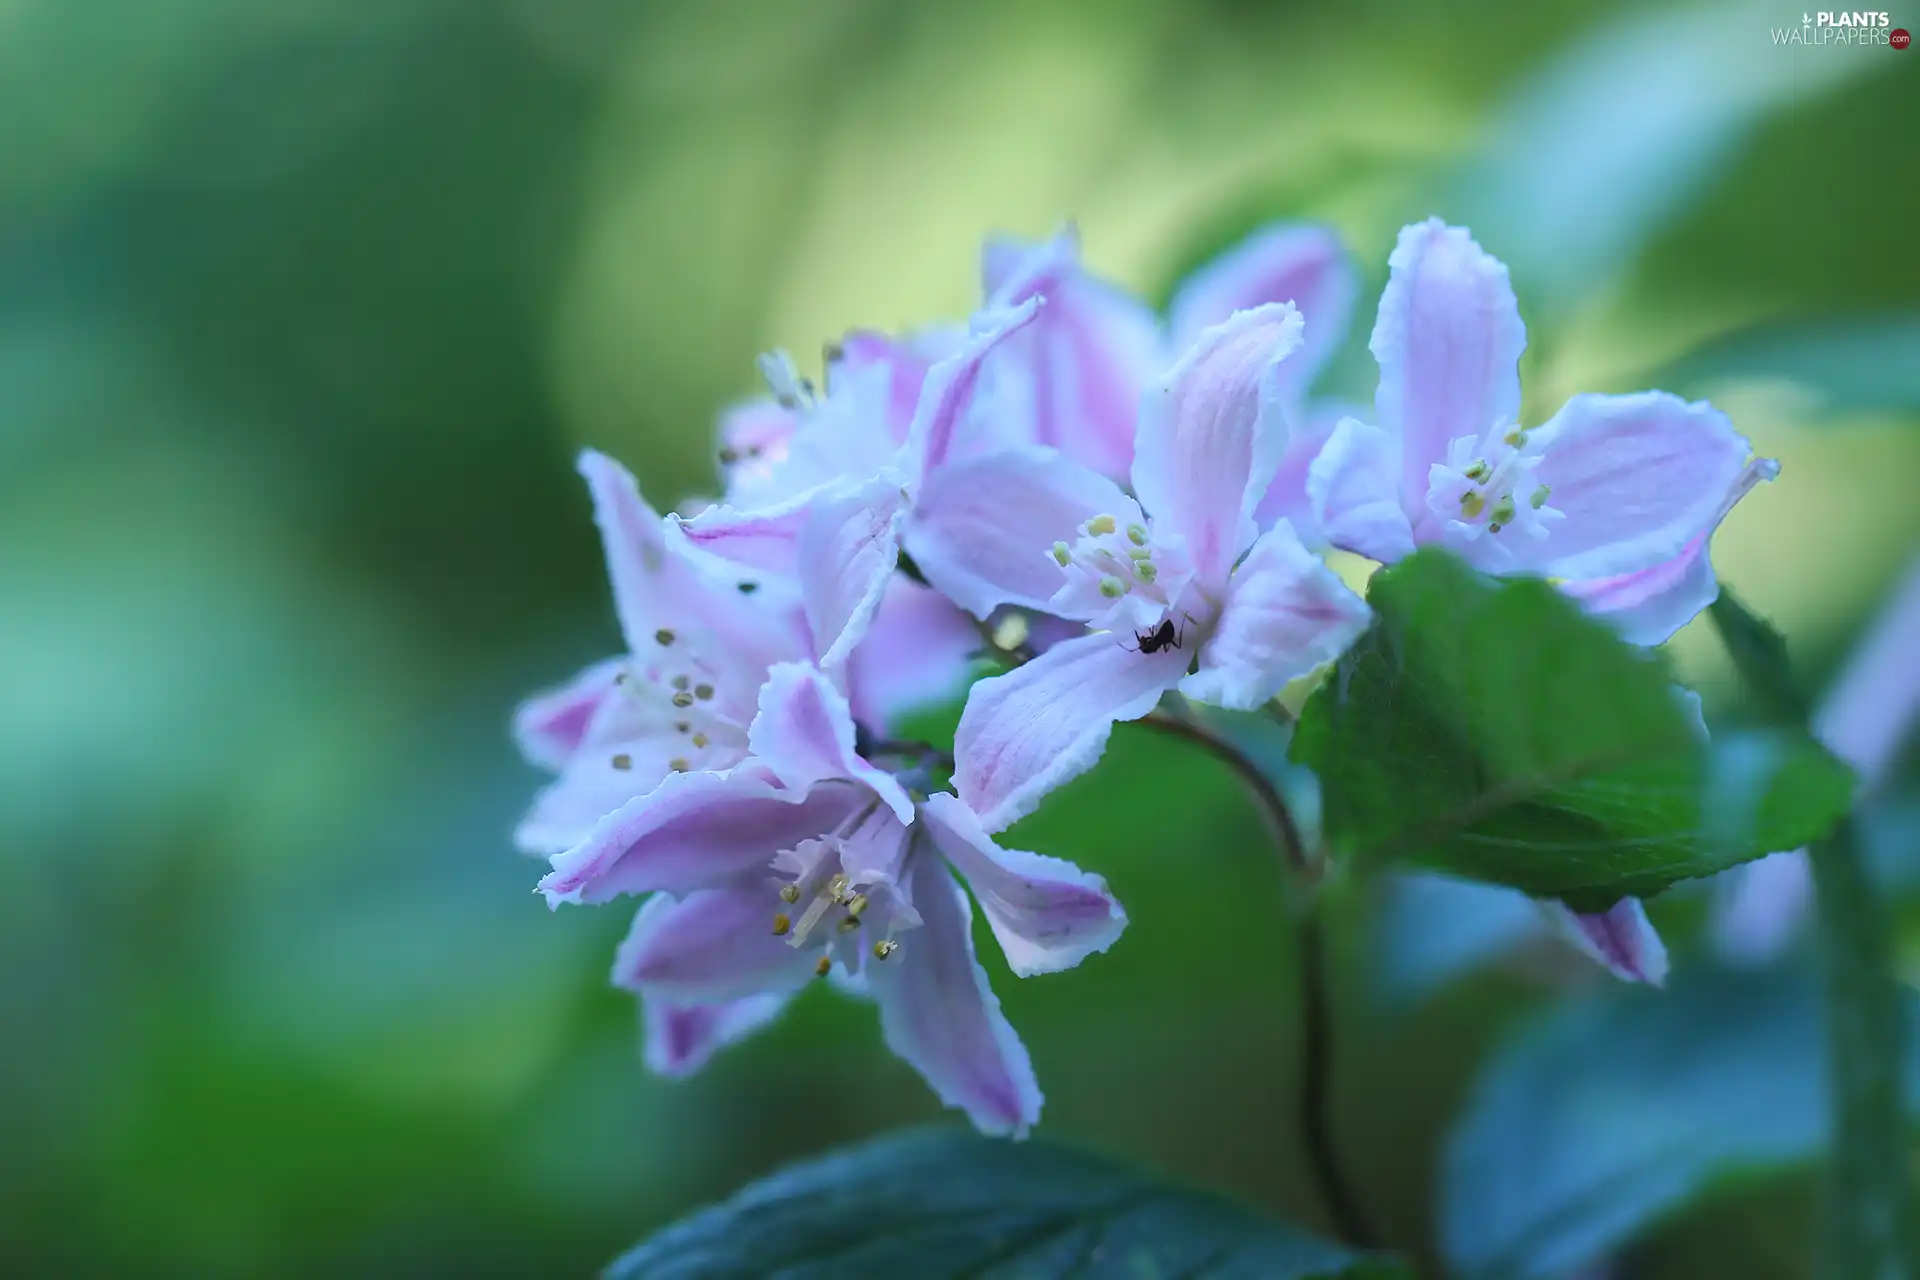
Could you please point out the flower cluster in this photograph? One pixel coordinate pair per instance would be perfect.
(1148, 501)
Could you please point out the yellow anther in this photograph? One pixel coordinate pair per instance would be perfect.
(1146, 571)
(1478, 472)
(663, 636)
(1062, 554)
(623, 761)
(884, 948)
(825, 967)
(1472, 503)
(789, 893)
(837, 888)
(1137, 534)
(1503, 510)
(1516, 437)
(1112, 588)
(1139, 553)
(679, 764)
(701, 740)
(704, 692)
(781, 924)
(858, 905)
(1539, 498)
(1010, 632)
(683, 699)
(1102, 524)
(849, 925)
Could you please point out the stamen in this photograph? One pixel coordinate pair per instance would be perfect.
(1111, 587)
(1139, 553)
(1010, 632)
(1062, 554)
(728, 457)
(1516, 437)
(683, 699)
(679, 764)
(789, 893)
(849, 925)
(825, 967)
(1539, 498)
(1472, 503)
(681, 683)
(1503, 511)
(623, 761)
(1102, 524)
(1478, 472)
(837, 888)
(681, 726)
(858, 905)
(664, 636)
(884, 948)
(748, 588)
(704, 692)
(701, 740)
(781, 925)
(1137, 534)
(1146, 571)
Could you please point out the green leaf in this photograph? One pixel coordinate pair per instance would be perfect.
(949, 1203)
(1489, 730)
(1861, 364)
(1759, 652)
(1611, 1114)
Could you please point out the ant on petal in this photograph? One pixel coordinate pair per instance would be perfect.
(1155, 639)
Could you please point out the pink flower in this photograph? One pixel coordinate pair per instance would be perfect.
(850, 489)
(1072, 380)
(701, 635)
(1615, 496)
(808, 859)
(699, 643)
(1185, 589)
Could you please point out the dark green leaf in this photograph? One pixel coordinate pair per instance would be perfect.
(1760, 653)
(1615, 1112)
(1855, 363)
(1492, 731)
(948, 1203)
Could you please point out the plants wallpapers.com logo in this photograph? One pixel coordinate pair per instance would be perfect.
(1844, 29)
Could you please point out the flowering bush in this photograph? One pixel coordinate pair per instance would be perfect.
(1111, 517)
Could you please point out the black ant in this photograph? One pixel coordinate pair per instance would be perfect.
(1157, 638)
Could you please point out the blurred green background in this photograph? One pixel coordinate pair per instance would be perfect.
(305, 308)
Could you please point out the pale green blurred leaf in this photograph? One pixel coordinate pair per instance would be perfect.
(1614, 1112)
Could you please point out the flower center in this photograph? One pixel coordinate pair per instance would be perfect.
(677, 690)
(841, 893)
(1487, 486)
(1122, 576)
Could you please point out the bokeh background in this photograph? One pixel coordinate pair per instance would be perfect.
(305, 308)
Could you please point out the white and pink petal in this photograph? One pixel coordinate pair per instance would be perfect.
(1286, 613)
(1212, 431)
(1301, 263)
(1046, 722)
(1448, 339)
(1046, 913)
(938, 1012)
(692, 831)
(711, 945)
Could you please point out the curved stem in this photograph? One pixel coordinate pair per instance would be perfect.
(1316, 1105)
(1271, 802)
(1316, 1033)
